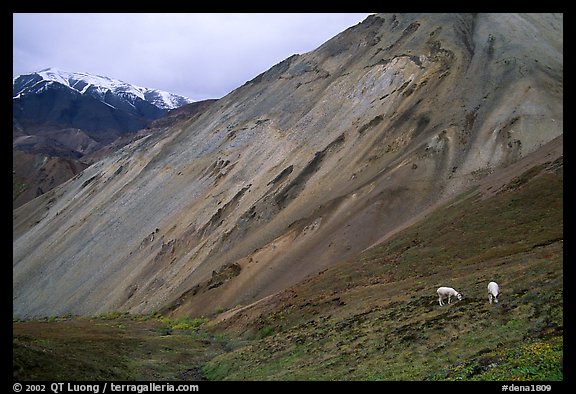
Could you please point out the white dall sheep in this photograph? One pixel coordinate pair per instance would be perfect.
(447, 292)
(493, 291)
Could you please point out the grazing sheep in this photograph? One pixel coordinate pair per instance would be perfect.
(449, 292)
(493, 291)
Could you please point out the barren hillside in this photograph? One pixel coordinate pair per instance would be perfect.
(302, 168)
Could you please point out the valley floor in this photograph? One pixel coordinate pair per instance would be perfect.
(112, 347)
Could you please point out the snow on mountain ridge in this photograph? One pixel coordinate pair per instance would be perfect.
(71, 79)
(99, 86)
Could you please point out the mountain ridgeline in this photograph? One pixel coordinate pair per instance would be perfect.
(302, 168)
(64, 121)
(88, 102)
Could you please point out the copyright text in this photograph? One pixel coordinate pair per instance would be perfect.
(101, 388)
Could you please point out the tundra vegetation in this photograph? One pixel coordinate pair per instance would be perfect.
(374, 317)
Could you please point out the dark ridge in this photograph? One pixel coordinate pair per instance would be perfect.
(285, 172)
(217, 219)
(294, 188)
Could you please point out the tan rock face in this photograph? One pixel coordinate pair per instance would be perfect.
(304, 166)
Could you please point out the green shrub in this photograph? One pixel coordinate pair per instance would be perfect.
(184, 323)
(111, 315)
(265, 332)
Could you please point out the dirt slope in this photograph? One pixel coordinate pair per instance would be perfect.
(304, 166)
(375, 317)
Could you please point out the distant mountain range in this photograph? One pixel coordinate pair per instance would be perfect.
(89, 102)
(63, 121)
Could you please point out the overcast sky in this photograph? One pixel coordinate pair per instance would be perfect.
(195, 55)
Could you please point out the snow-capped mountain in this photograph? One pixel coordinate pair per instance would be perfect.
(63, 121)
(101, 88)
(104, 106)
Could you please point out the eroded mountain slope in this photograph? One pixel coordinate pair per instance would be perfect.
(304, 166)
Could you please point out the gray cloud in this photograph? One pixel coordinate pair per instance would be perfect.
(196, 55)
